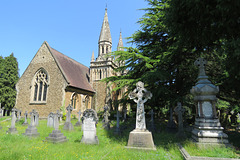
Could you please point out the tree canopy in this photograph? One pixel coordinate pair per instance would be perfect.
(8, 79)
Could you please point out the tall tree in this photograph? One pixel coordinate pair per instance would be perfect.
(213, 29)
(8, 80)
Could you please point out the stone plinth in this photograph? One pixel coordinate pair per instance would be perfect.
(12, 131)
(31, 131)
(56, 137)
(209, 131)
(139, 139)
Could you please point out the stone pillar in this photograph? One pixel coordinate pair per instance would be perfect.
(207, 128)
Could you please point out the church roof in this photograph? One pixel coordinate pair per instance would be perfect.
(76, 74)
(105, 34)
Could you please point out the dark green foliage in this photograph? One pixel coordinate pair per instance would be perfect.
(8, 79)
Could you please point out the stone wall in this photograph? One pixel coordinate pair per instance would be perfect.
(57, 84)
(100, 95)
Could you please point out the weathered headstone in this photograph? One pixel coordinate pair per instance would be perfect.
(106, 122)
(1, 112)
(152, 125)
(68, 125)
(171, 125)
(179, 110)
(140, 137)
(31, 131)
(56, 136)
(25, 121)
(89, 121)
(59, 114)
(18, 115)
(117, 129)
(207, 128)
(79, 119)
(12, 129)
(50, 119)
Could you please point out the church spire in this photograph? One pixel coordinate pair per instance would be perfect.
(120, 43)
(105, 39)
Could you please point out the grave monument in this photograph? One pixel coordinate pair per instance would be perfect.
(12, 129)
(79, 119)
(140, 137)
(50, 119)
(56, 136)
(68, 125)
(117, 129)
(25, 115)
(207, 128)
(89, 121)
(31, 131)
(179, 110)
(106, 114)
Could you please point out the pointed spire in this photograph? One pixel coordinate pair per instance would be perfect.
(92, 59)
(120, 43)
(105, 34)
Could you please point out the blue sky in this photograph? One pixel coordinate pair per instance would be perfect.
(69, 26)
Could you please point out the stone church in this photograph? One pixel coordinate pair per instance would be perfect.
(53, 80)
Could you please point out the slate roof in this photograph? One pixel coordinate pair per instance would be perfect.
(76, 74)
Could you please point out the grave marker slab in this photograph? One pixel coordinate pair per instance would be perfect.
(25, 121)
(50, 119)
(12, 129)
(90, 120)
(179, 110)
(31, 131)
(140, 137)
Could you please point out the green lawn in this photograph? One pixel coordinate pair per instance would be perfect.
(13, 147)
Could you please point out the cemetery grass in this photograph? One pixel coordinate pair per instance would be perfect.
(111, 146)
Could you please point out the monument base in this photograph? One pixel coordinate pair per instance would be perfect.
(139, 139)
(209, 131)
(90, 140)
(68, 126)
(56, 137)
(12, 131)
(31, 131)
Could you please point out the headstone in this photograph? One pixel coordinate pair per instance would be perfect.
(207, 128)
(18, 115)
(25, 115)
(1, 113)
(179, 110)
(31, 131)
(12, 129)
(89, 121)
(59, 114)
(117, 129)
(68, 125)
(56, 136)
(106, 114)
(171, 125)
(79, 119)
(152, 125)
(124, 113)
(140, 137)
(50, 119)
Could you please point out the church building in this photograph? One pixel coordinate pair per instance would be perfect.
(52, 80)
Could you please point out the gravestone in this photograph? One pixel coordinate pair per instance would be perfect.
(68, 125)
(12, 129)
(56, 136)
(18, 115)
(6, 112)
(117, 129)
(25, 121)
(179, 110)
(140, 137)
(171, 125)
(124, 113)
(106, 114)
(50, 119)
(152, 125)
(207, 128)
(59, 114)
(1, 112)
(31, 131)
(79, 119)
(89, 121)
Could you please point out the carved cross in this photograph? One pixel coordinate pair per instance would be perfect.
(179, 111)
(13, 117)
(69, 109)
(140, 95)
(201, 63)
(79, 115)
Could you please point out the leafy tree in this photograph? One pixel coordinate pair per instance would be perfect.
(8, 79)
(213, 29)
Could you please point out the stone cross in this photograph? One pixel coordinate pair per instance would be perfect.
(124, 113)
(79, 119)
(59, 116)
(19, 115)
(179, 111)
(201, 63)
(50, 121)
(34, 118)
(56, 122)
(25, 115)
(140, 95)
(69, 110)
(105, 120)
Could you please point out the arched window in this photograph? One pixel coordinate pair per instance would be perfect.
(41, 83)
(74, 101)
